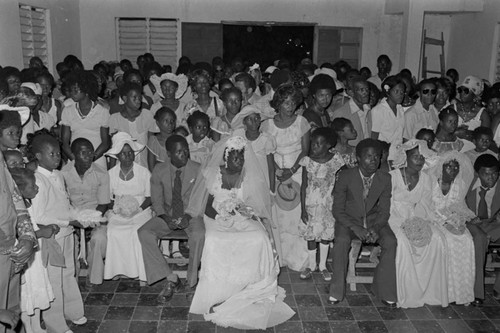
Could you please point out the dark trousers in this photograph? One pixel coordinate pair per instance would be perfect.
(384, 281)
(9, 290)
(154, 263)
(480, 239)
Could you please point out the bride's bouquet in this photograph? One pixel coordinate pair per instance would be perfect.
(454, 217)
(126, 206)
(231, 210)
(417, 230)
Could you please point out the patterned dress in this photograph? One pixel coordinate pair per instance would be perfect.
(319, 197)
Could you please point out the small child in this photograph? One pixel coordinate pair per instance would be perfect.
(345, 131)
(36, 291)
(426, 135)
(10, 130)
(52, 206)
(165, 120)
(482, 137)
(13, 159)
(200, 145)
(182, 131)
(384, 163)
(318, 179)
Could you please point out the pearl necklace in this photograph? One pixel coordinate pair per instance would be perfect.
(125, 175)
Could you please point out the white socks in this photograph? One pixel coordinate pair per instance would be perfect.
(175, 246)
(323, 254)
(312, 259)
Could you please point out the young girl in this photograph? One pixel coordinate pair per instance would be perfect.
(200, 145)
(165, 120)
(427, 135)
(318, 179)
(36, 291)
(446, 139)
(170, 88)
(387, 117)
(52, 206)
(345, 131)
(49, 104)
(137, 122)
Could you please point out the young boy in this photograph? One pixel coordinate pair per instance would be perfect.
(200, 145)
(482, 138)
(52, 206)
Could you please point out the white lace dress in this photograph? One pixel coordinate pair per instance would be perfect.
(460, 249)
(239, 270)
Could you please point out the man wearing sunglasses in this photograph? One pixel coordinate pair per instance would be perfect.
(423, 114)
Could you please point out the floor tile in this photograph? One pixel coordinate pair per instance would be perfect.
(128, 286)
(469, 312)
(454, 326)
(481, 326)
(178, 300)
(372, 327)
(316, 327)
(125, 299)
(339, 313)
(303, 288)
(392, 313)
(174, 313)
(307, 300)
(400, 326)
(289, 327)
(324, 301)
(283, 278)
(496, 322)
(143, 327)
(147, 313)
(105, 287)
(149, 300)
(154, 289)
(492, 312)
(365, 313)
(443, 313)
(115, 326)
(99, 299)
(427, 326)
(418, 313)
(200, 327)
(95, 312)
(119, 313)
(290, 300)
(344, 326)
(312, 313)
(359, 300)
(295, 278)
(90, 327)
(172, 326)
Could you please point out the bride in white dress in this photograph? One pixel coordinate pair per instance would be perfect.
(238, 278)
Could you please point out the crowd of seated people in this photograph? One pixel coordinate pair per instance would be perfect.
(261, 168)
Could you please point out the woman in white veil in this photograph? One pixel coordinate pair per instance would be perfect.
(451, 178)
(239, 269)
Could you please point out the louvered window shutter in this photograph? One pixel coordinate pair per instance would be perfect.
(137, 36)
(34, 34)
(497, 69)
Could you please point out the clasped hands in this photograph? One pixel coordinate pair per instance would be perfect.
(178, 223)
(366, 235)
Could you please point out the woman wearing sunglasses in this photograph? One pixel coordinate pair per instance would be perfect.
(469, 107)
(423, 113)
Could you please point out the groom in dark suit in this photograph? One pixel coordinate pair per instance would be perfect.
(483, 199)
(171, 185)
(361, 209)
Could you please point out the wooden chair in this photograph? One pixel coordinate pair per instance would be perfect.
(179, 235)
(352, 277)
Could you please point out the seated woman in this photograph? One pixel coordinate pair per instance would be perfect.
(130, 193)
(452, 176)
(238, 279)
(421, 253)
(446, 137)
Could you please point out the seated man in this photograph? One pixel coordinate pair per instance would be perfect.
(88, 187)
(361, 209)
(483, 199)
(171, 185)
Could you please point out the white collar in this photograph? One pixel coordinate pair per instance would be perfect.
(477, 185)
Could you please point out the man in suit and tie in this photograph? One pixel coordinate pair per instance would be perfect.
(361, 209)
(357, 109)
(483, 198)
(171, 185)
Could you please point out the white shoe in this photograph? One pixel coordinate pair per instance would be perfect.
(81, 321)
(69, 331)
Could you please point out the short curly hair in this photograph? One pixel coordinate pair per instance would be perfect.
(196, 74)
(86, 81)
(8, 119)
(283, 92)
(226, 92)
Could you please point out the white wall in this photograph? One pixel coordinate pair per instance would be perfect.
(381, 33)
(472, 40)
(64, 26)
(435, 24)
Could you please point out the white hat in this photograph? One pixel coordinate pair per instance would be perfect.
(181, 80)
(24, 112)
(288, 195)
(270, 69)
(119, 140)
(237, 121)
(37, 88)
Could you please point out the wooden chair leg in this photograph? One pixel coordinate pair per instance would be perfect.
(353, 258)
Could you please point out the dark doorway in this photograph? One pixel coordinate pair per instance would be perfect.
(264, 44)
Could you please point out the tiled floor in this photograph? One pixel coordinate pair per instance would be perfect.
(124, 306)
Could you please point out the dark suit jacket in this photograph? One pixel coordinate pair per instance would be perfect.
(161, 185)
(471, 198)
(349, 208)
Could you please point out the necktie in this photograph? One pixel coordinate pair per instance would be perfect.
(482, 208)
(367, 183)
(177, 204)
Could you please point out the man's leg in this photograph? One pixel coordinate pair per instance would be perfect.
(155, 264)
(73, 303)
(480, 248)
(494, 234)
(9, 290)
(97, 253)
(384, 280)
(340, 257)
(196, 240)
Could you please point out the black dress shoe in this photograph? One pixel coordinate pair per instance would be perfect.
(477, 302)
(496, 295)
(333, 301)
(169, 290)
(389, 304)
